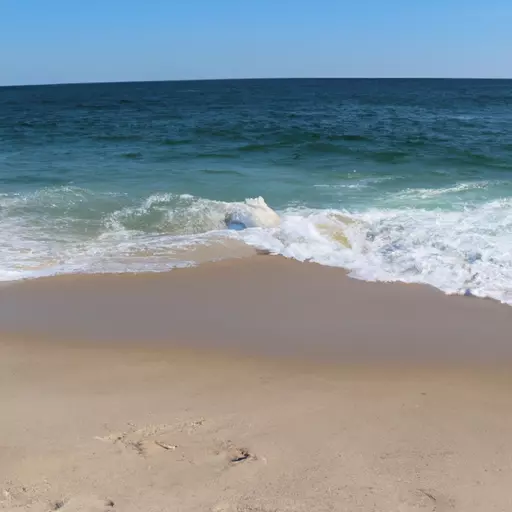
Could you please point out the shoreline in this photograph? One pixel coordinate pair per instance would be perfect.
(263, 305)
(258, 385)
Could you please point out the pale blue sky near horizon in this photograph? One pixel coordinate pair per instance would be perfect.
(62, 41)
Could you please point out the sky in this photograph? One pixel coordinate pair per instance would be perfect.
(63, 41)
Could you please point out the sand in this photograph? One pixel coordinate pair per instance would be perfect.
(230, 415)
(266, 306)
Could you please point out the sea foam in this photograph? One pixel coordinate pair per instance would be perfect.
(467, 249)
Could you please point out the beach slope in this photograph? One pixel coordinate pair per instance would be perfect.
(254, 386)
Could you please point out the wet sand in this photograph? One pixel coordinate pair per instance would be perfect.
(263, 305)
(259, 385)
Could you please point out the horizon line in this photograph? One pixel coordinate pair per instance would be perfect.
(177, 80)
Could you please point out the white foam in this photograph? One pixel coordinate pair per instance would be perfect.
(358, 183)
(427, 193)
(158, 233)
(458, 252)
(253, 212)
(467, 248)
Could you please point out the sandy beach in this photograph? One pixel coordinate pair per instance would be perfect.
(259, 384)
(262, 305)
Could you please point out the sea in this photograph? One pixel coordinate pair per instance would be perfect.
(389, 179)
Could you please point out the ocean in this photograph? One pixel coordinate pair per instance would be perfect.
(392, 180)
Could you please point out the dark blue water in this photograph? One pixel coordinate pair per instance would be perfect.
(125, 177)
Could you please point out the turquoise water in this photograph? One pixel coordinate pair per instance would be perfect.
(131, 177)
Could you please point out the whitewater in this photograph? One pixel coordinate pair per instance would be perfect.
(463, 251)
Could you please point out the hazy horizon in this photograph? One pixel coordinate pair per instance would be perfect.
(227, 79)
(127, 41)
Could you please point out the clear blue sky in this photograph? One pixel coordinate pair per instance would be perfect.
(49, 41)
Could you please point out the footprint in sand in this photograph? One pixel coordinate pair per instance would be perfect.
(230, 507)
(232, 454)
(83, 504)
(16, 497)
(189, 443)
(151, 439)
(427, 499)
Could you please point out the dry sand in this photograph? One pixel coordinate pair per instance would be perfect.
(102, 424)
